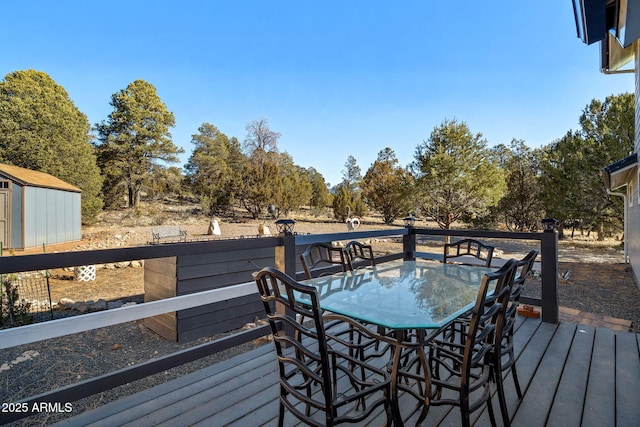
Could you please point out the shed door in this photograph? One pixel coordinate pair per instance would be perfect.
(4, 213)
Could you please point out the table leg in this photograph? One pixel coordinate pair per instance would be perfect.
(403, 348)
(395, 407)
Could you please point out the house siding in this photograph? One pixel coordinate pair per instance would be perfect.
(633, 215)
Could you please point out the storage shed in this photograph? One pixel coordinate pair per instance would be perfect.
(37, 208)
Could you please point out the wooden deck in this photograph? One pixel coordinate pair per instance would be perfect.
(572, 375)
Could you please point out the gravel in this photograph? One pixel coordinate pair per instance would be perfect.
(40, 367)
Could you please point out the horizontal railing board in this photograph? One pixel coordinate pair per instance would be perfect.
(60, 327)
(307, 239)
(14, 264)
(479, 233)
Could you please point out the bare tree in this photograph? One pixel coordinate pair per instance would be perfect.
(260, 137)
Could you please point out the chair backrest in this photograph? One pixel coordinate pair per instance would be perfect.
(465, 248)
(357, 250)
(487, 313)
(523, 269)
(319, 255)
(303, 357)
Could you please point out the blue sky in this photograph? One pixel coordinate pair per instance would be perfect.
(335, 78)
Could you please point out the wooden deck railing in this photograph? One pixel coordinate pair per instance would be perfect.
(286, 250)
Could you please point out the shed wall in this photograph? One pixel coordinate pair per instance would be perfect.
(16, 216)
(51, 216)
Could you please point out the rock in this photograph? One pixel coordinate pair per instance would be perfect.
(66, 303)
(122, 264)
(100, 305)
(80, 307)
(136, 264)
(114, 304)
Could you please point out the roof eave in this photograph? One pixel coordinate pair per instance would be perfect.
(620, 173)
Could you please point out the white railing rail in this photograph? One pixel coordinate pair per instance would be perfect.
(60, 327)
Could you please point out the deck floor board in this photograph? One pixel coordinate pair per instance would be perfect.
(570, 374)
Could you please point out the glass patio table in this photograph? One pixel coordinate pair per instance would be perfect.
(414, 299)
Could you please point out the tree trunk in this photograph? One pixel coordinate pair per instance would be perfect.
(600, 236)
(134, 197)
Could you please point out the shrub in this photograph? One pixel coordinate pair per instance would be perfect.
(13, 310)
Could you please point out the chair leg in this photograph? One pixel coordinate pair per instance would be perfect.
(281, 415)
(501, 398)
(492, 416)
(514, 374)
(464, 413)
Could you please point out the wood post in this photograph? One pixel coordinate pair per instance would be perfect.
(549, 267)
(409, 244)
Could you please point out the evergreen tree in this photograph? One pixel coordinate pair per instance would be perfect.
(457, 176)
(574, 191)
(342, 202)
(41, 129)
(261, 179)
(521, 208)
(213, 170)
(261, 183)
(320, 196)
(296, 187)
(351, 182)
(387, 187)
(133, 140)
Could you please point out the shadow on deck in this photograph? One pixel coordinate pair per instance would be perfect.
(571, 375)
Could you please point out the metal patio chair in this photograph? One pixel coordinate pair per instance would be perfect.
(323, 255)
(461, 250)
(460, 371)
(360, 251)
(318, 381)
(503, 357)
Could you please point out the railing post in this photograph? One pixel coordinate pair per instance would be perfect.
(285, 260)
(409, 244)
(289, 255)
(286, 253)
(549, 267)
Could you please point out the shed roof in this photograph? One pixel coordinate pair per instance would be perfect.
(35, 178)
